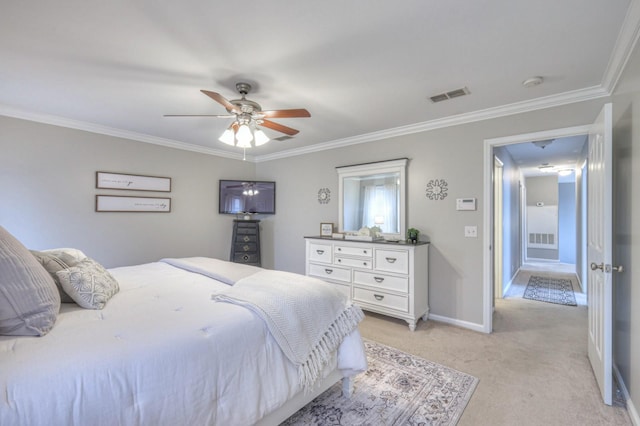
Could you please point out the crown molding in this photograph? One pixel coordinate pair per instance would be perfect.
(565, 98)
(112, 131)
(625, 43)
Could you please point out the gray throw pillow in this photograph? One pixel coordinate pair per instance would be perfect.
(29, 299)
(88, 284)
(54, 262)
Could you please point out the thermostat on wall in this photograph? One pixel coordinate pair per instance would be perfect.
(466, 204)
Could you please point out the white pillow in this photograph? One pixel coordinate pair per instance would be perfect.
(89, 284)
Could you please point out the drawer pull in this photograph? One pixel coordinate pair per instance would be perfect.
(378, 296)
(339, 249)
(391, 259)
(364, 263)
(339, 260)
(320, 252)
(328, 271)
(246, 248)
(378, 279)
(364, 251)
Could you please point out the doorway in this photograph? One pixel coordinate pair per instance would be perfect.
(490, 146)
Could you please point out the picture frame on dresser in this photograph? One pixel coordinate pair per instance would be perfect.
(326, 229)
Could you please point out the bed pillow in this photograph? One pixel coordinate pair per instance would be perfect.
(73, 252)
(54, 261)
(89, 284)
(29, 299)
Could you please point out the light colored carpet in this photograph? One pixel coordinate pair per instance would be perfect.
(533, 368)
(397, 389)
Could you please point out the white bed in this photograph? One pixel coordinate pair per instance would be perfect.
(161, 352)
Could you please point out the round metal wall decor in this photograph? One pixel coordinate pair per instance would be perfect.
(324, 195)
(437, 189)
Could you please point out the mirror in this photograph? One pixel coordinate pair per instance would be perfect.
(371, 195)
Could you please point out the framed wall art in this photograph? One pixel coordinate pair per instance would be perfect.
(124, 203)
(108, 180)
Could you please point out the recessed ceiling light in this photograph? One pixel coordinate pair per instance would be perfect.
(532, 81)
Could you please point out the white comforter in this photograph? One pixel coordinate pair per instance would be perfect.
(160, 353)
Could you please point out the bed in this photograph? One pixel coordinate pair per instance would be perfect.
(160, 352)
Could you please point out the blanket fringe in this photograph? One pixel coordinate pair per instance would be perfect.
(345, 323)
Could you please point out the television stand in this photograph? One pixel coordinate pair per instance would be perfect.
(245, 243)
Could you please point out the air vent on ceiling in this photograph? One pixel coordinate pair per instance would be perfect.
(450, 95)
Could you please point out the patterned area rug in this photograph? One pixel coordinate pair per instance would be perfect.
(397, 389)
(552, 290)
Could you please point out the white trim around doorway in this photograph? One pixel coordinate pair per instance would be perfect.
(487, 258)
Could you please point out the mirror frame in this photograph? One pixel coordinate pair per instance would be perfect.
(367, 169)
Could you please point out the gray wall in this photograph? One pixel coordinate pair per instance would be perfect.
(626, 232)
(567, 222)
(47, 193)
(453, 154)
(511, 244)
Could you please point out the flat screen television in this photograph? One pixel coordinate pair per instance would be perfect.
(246, 196)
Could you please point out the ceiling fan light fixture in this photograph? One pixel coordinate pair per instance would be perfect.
(260, 138)
(565, 172)
(244, 136)
(546, 169)
(228, 137)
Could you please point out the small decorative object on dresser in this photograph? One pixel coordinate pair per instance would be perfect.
(384, 277)
(412, 235)
(245, 243)
(326, 229)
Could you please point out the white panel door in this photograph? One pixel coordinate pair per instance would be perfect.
(599, 228)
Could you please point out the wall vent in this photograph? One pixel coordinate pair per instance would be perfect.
(449, 95)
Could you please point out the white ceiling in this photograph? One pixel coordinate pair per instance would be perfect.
(562, 153)
(364, 69)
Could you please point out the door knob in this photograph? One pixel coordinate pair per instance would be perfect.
(618, 268)
(594, 266)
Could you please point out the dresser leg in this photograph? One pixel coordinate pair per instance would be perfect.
(347, 387)
(412, 325)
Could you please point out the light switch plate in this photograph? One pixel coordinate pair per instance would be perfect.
(471, 231)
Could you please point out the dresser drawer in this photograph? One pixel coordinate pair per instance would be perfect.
(247, 228)
(392, 261)
(330, 272)
(355, 263)
(246, 238)
(382, 299)
(245, 258)
(320, 253)
(366, 251)
(246, 247)
(387, 282)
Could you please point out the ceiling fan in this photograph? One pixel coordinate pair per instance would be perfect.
(247, 115)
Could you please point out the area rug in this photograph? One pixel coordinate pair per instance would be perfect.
(397, 389)
(552, 290)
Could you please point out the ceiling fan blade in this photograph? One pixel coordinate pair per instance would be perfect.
(286, 113)
(279, 127)
(199, 115)
(221, 100)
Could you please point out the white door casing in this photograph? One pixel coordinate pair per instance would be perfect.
(599, 249)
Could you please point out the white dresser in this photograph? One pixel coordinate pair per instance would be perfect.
(383, 277)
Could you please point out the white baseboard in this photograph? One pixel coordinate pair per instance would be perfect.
(459, 323)
(508, 286)
(631, 409)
